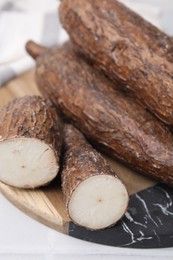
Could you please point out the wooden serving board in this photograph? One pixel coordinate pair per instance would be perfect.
(46, 204)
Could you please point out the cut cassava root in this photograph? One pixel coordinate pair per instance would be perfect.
(95, 197)
(110, 119)
(123, 46)
(30, 142)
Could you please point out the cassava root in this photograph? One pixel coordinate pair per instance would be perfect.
(95, 197)
(109, 118)
(126, 48)
(30, 142)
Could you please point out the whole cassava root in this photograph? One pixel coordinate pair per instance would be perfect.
(30, 142)
(126, 48)
(95, 197)
(110, 119)
(140, 32)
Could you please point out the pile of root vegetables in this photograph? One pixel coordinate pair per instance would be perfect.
(109, 89)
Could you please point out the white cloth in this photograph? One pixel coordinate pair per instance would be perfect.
(19, 22)
(38, 20)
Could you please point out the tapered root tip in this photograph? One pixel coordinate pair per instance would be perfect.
(34, 49)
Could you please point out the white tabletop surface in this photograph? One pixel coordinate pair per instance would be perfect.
(22, 238)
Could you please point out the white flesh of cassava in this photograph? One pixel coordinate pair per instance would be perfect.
(98, 202)
(27, 162)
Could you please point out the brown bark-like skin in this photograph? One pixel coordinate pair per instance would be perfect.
(34, 49)
(31, 117)
(125, 48)
(140, 32)
(80, 162)
(109, 118)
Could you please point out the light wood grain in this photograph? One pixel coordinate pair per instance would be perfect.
(46, 204)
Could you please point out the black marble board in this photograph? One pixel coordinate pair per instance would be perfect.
(148, 223)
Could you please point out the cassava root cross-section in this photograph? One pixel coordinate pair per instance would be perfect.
(122, 45)
(95, 197)
(111, 119)
(30, 142)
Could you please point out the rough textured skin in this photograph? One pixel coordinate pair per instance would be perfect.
(34, 49)
(80, 162)
(140, 32)
(136, 55)
(31, 117)
(109, 118)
